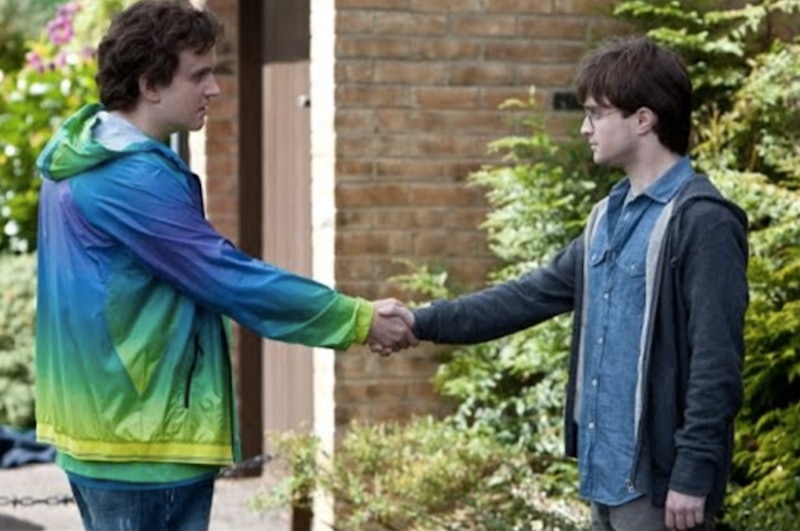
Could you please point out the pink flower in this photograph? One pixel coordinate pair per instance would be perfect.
(68, 10)
(34, 60)
(59, 30)
(60, 61)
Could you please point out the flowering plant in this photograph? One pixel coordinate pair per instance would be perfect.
(59, 49)
(56, 80)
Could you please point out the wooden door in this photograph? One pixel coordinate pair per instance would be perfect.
(287, 382)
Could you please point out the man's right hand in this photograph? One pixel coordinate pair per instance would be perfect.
(391, 328)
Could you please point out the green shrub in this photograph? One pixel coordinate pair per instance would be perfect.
(57, 80)
(17, 315)
(540, 192)
(425, 475)
(747, 76)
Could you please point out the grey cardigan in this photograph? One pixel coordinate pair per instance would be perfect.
(690, 370)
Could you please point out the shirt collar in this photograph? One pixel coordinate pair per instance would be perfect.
(665, 187)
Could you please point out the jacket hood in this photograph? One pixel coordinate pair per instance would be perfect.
(700, 188)
(74, 147)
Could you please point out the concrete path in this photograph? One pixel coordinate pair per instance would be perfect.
(230, 511)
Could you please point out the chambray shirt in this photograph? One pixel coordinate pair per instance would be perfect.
(614, 322)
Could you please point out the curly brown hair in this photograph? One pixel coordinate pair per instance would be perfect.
(146, 39)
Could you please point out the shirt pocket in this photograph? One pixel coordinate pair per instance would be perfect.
(598, 257)
(631, 259)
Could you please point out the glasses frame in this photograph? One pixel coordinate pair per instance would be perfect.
(595, 114)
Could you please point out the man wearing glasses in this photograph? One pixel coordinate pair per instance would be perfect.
(657, 283)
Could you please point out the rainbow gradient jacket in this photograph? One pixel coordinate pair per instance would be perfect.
(132, 349)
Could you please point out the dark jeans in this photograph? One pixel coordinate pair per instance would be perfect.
(186, 508)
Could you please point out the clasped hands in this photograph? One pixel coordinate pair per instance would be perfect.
(391, 328)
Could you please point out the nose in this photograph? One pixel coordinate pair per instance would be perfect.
(213, 90)
(586, 126)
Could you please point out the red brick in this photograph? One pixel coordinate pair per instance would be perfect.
(482, 74)
(551, 75)
(553, 27)
(447, 97)
(492, 98)
(409, 218)
(372, 47)
(451, 196)
(373, 96)
(354, 168)
(410, 24)
(352, 21)
(411, 170)
(353, 243)
(478, 121)
(372, 4)
(519, 6)
(354, 268)
(355, 119)
(446, 49)
(410, 73)
(354, 71)
(371, 195)
(447, 6)
(473, 271)
(520, 51)
(360, 244)
(398, 120)
(459, 218)
(584, 7)
(355, 218)
(485, 25)
(459, 171)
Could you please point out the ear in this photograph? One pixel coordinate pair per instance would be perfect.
(646, 119)
(148, 90)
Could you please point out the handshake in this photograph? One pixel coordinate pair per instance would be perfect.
(392, 327)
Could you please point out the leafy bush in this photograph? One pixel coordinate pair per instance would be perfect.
(426, 475)
(17, 315)
(57, 80)
(541, 193)
(747, 78)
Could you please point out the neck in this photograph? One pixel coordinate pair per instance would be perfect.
(138, 119)
(646, 169)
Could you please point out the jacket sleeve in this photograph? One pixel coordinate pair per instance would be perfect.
(505, 308)
(714, 291)
(156, 214)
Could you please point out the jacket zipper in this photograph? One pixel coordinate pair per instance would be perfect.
(198, 351)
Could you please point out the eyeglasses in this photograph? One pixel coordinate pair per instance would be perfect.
(594, 114)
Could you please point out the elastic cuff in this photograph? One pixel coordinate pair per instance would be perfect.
(364, 312)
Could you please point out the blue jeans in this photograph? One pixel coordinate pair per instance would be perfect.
(185, 508)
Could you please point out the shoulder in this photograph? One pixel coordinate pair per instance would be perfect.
(701, 202)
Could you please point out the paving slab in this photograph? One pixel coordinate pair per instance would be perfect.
(230, 510)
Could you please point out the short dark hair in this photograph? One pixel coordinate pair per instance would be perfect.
(634, 72)
(146, 39)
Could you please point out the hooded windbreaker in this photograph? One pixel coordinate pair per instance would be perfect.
(690, 362)
(132, 346)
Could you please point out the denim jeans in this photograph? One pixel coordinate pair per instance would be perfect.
(185, 508)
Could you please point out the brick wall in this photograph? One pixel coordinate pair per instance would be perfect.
(417, 89)
(416, 85)
(222, 130)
